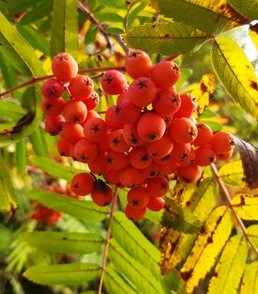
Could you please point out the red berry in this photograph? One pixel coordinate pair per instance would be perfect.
(113, 82)
(52, 89)
(81, 87)
(82, 184)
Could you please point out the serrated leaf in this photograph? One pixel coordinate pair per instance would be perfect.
(249, 283)
(19, 52)
(64, 28)
(252, 232)
(236, 73)
(86, 211)
(204, 92)
(7, 192)
(247, 8)
(232, 174)
(230, 268)
(115, 283)
(53, 168)
(62, 274)
(208, 245)
(131, 239)
(133, 269)
(246, 206)
(165, 38)
(211, 16)
(64, 242)
(249, 158)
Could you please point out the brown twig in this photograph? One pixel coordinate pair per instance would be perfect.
(108, 236)
(231, 207)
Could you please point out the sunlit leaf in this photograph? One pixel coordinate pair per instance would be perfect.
(232, 174)
(230, 268)
(252, 232)
(64, 35)
(39, 143)
(85, 211)
(62, 274)
(249, 283)
(7, 192)
(253, 33)
(204, 92)
(207, 247)
(236, 73)
(211, 16)
(53, 168)
(247, 8)
(165, 38)
(17, 50)
(249, 158)
(64, 242)
(246, 206)
(21, 155)
(133, 269)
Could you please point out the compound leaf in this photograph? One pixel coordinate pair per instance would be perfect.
(85, 211)
(62, 274)
(236, 73)
(64, 242)
(165, 38)
(215, 15)
(210, 241)
(230, 268)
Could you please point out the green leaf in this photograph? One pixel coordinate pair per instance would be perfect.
(55, 169)
(21, 155)
(137, 272)
(8, 73)
(64, 242)
(230, 268)
(209, 243)
(86, 211)
(131, 239)
(165, 38)
(236, 73)
(39, 143)
(64, 28)
(232, 174)
(62, 274)
(17, 50)
(10, 110)
(247, 8)
(115, 283)
(210, 16)
(246, 206)
(7, 192)
(249, 283)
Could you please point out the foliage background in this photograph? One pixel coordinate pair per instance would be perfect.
(208, 246)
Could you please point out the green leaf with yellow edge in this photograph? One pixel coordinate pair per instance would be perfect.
(86, 211)
(247, 8)
(210, 16)
(177, 245)
(64, 28)
(230, 268)
(210, 241)
(62, 274)
(53, 168)
(252, 232)
(232, 174)
(64, 242)
(249, 283)
(7, 192)
(203, 93)
(165, 38)
(246, 206)
(138, 272)
(236, 73)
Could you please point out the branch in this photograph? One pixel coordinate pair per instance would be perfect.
(230, 206)
(108, 236)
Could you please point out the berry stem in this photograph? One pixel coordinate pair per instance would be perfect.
(230, 206)
(108, 236)
(39, 79)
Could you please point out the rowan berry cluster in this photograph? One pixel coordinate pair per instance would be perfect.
(147, 136)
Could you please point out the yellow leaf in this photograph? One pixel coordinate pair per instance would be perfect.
(230, 268)
(254, 36)
(252, 233)
(236, 73)
(232, 174)
(250, 281)
(207, 247)
(246, 206)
